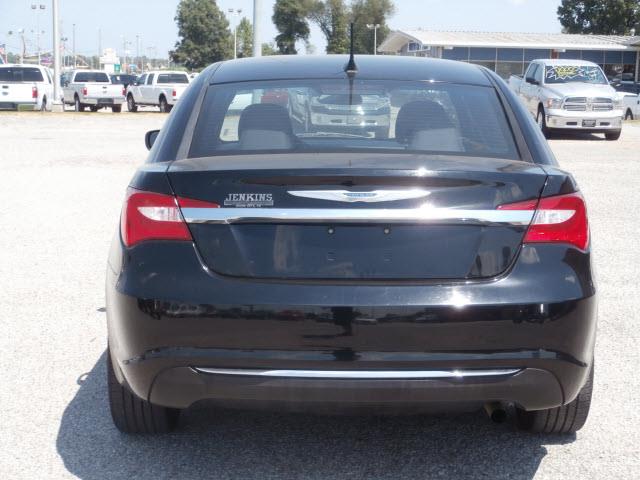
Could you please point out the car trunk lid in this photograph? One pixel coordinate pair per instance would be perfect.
(357, 217)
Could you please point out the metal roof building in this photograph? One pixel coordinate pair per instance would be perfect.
(510, 53)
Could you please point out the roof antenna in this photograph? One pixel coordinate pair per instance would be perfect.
(351, 67)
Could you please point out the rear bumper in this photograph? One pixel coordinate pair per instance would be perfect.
(27, 105)
(103, 101)
(170, 324)
(182, 386)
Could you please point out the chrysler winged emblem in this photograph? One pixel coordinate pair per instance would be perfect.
(370, 196)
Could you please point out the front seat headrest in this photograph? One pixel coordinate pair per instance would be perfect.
(265, 126)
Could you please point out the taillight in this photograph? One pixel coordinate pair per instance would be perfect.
(175, 93)
(124, 91)
(558, 219)
(155, 216)
(84, 91)
(34, 92)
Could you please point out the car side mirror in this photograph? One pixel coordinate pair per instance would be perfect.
(532, 81)
(150, 138)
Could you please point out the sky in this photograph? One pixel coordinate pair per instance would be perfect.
(153, 21)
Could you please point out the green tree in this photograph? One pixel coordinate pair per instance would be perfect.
(370, 12)
(245, 38)
(269, 49)
(289, 17)
(332, 16)
(204, 34)
(601, 17)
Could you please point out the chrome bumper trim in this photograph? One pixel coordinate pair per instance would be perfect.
(357, 215)
(362, 374)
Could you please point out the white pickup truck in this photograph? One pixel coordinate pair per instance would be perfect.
(570, 95)
(161, 89)
(25, 87)
(93, 89)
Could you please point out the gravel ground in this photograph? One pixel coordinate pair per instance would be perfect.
(64, 177)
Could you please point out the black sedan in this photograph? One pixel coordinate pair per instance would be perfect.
(446, 262)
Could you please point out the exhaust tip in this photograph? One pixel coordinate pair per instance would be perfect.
(496, 412)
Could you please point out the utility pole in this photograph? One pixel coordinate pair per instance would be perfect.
(257, 38)
(235, 12)
(374, 27)
(57, 106)
(99, 46)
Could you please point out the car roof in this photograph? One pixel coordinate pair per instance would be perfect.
(560, 61)
(380, 67)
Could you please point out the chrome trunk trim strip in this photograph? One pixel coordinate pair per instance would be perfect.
(357, 215)
(361, 374)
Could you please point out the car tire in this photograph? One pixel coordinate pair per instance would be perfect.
(43, 107)
(613, 135)
(541, 120)
(164, 106)
(131, 414)
(628, 114)
(77, 106)
(131, 104)
(567, 418)
(116, 108)
(94, 108)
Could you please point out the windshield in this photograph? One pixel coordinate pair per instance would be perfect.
(98, 77)
(362, 115)
(173, 78)
(574, 73)
(20, 74)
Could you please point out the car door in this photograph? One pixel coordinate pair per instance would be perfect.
(138, 89)
(149, 90)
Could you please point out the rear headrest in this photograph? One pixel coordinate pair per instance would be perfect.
(265, 116)
(420, 115)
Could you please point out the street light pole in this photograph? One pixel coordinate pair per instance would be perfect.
(235, 12)
(36, 8)
(73, 46)
(374, 27)
(138, 52)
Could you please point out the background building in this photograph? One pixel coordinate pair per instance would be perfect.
(510, 53)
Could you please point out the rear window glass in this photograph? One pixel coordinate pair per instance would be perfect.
(342, 116)
(122, 79)
(172, 78)
(20, 74)
(91, 77)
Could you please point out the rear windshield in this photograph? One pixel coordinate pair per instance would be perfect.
(172, 78)
(20, 74)
(342, 116)
(99, 77)
(574, 73)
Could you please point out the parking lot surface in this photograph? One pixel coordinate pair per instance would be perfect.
(63, 181)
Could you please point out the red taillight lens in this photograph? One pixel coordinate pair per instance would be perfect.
(84, 91)
(175, 93)
(34, 92)
(124, 91)
(155, 216)
(558, 219)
